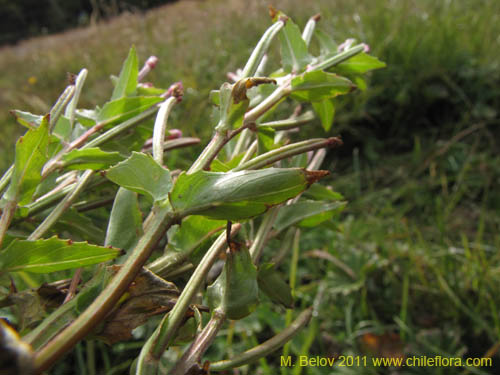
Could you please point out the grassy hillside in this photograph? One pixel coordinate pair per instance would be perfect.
(413, 266)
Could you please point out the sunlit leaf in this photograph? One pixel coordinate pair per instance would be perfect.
(62, 129)
(317, 85)
(325, 110)
(140, 173)
(238, 195)
(265, 138)
(122, 109)
(51, 255)
(360, 63)
(294, 55)
(27, 119)
(127, 81)
(31, 155)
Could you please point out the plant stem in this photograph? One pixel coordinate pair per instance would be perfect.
(308, 31)
(62, 206)
(159, 128)
(209, 153)
(252, 115)
(337, 59)
(293, 280)
(71, 107)
(7, 215)
(6, 178)
(289, 123)
(108, 298)
(261, 49)
(250, 151)
(273, 156)
(62, 101)
(266, 347)
(173, 260)
(281, 91)
(176, 143)
(260, 238)
(193, 355)
(165, 332)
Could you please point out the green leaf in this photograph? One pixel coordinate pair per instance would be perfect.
(218, 166)
(326, 44)
(320, 192)
(91, 158)
(87, 117)
(51, 255)
(325, 110)
(122, 109)
(265, 138)
(150, 91)
(27, 119)
(237, 195)
(273, 284)
(232, 106)
(127, 82)
(294, 55)
(194, 236)
(193, 230)
(359, 81)
(214, 97)
(31, 155)
(306, 213)
(62, 129)
(140, 173)
(80, 226)
(125, 222)
(318, 85)
(236, 290)
(359, 64)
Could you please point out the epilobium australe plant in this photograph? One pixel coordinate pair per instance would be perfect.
(78, 259)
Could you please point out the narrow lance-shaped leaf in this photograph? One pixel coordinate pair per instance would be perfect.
(31, 155)
(91, 158)
(272, 283)
(318, 85)
(358, 64)
(325, 110)
(319, 192)
(125, 222)
(192, 231)
(294, 53)
(78, 224)
(51, 255)
(265, 137)
(140, 173)
(326, 44)
(127, 82)
(122, 109)
(238, 195)
(306, 213)
(27, 119)
(236, 290)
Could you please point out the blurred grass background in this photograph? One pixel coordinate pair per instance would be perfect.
(415, 264)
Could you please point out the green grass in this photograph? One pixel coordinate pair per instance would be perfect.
(416, 252)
